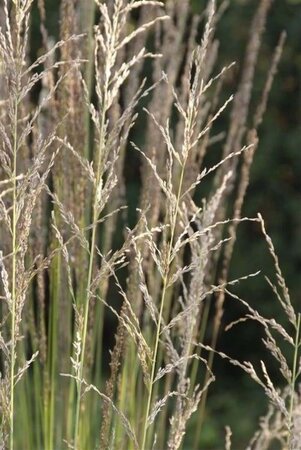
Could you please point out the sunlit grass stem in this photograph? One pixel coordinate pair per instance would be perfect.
(162, 304)
(90, 269)
(14, 272)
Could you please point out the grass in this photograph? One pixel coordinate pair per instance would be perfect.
(69, 123)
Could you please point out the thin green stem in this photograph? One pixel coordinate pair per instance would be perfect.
(293, 381)
(90, 271)
(162, 304)
(14, 234)
(14, 272)
(53, 349)
(100, 156)
(194, 373)
(84, 336)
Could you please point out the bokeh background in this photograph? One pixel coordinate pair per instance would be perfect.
(275, 192)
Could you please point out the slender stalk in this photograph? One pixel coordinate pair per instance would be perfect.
(125, 388)
(202, 408)
(14, 232)
(88, 24)
(193, 377)
(293, 381)
(53, 350)
(84, 331)
(14, 272)
(107, 63)
(162, 304)
(162, 428)
(90, 270)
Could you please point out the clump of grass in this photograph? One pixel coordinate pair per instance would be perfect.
(64, 154)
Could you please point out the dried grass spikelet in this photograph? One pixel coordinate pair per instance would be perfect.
(127, 93)
(284, 299)
(189, 407)
(26, 170)
(243, 96)
(240, 110)
(165, 255)
(111, 72)
(272, 429)
(228, 443)
(70, 108)
(284, 403)
(196, 292)
(244, 180)
(252, 140)
(171, 40)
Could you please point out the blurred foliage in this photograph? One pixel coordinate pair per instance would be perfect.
(275, 191)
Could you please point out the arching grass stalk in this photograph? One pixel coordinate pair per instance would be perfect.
(162, 304)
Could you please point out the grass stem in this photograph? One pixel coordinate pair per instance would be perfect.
(90, 270)
(294, 379)
(162, 304)
(14, 272)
